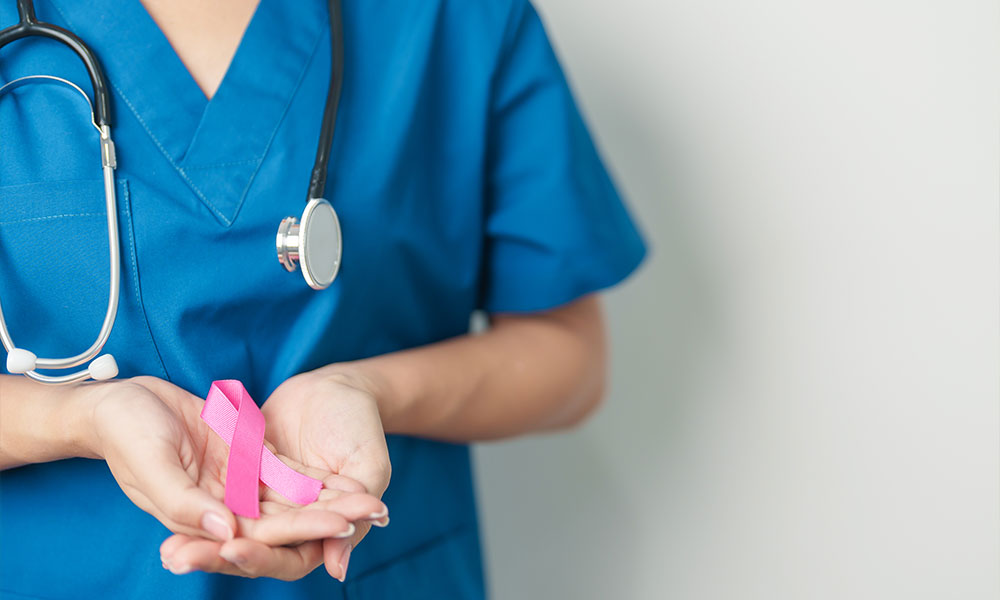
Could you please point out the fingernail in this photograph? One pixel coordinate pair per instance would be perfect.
(379, 515)
(217, 526)
(347, 533)
(381, 522)
(343, 563)
(232, 557)
(180, 569)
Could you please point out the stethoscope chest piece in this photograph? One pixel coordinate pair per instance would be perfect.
(314, 243)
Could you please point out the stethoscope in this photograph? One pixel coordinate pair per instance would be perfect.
(314, 241)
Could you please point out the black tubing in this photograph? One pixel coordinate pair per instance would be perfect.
(26, 10)
(29, 26)
(317, 181)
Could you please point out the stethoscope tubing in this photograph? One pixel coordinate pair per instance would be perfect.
(30, 26)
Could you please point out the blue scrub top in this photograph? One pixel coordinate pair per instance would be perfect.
(464, 179)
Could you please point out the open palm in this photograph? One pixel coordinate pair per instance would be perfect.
(170, 464)
(324, 428)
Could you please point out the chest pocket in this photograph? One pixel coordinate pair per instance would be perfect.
(54, 270)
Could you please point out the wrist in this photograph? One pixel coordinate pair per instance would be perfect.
(80, 418)
(367, 377)
(42, 423)
(94, 411)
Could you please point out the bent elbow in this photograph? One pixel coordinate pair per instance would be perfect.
(588, 402)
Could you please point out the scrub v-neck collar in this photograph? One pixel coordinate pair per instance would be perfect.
(215, 145)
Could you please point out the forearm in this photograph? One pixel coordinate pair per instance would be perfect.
(525, 373)
(42, 423)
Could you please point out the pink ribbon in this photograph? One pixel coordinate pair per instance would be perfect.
(232, 414)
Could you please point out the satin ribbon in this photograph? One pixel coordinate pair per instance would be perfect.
(234, 416)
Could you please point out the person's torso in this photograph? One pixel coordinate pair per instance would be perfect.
(202, 187)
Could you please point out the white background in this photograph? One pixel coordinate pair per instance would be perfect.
(804, 397)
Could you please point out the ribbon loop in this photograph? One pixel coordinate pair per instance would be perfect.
(234, 416)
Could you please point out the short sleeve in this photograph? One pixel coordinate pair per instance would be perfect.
(556, 228)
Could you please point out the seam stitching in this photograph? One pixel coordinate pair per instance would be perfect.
(223, 164)
(135, 280)
(277, 125)
(49, 217)
(201, 195)
(163, 151)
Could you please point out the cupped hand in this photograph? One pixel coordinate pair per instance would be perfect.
(171, 465)
(328, 423)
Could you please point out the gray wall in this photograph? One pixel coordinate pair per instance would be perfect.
(805, 375)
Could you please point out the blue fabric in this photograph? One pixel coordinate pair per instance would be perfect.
(464, 179)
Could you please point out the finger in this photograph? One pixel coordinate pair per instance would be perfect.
(172, 543)
(260, 560)
(333, 483)
(371, 468)
(182, 554)
(198, 554)
(337, 553)
(188, 508)
(354, 507)
(343, 483)
(345, 486)
(336, 558)
(297, 525)
(281, 525)
(334, 486)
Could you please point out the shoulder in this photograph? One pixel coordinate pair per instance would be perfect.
(495, 13)
(455, 34)
(488, 19)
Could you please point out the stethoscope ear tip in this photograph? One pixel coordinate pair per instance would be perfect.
(20, 361)
(103, 367)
